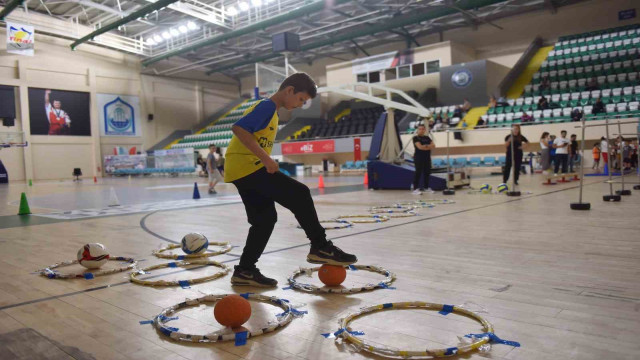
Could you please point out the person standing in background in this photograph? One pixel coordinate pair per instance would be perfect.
(422, 159)
(561, 145)
(545, 153)
(212, 169)
(596, 157)
(518, 143)
(604, 150)
(573, 152)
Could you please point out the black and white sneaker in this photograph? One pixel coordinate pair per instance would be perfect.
(252, 277)
(330, 255)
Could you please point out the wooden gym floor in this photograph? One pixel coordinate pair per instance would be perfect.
(565, 284)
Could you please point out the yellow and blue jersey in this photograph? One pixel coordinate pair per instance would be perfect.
(261, 120)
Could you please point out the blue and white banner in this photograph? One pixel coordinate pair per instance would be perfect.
(119, 115)
(20, 39)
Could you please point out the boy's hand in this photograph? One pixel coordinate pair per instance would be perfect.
(272, 166)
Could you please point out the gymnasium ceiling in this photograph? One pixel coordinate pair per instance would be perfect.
(229, 36)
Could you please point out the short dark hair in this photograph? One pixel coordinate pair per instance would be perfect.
(301, 82)
(563, 131)
(423, 125)
(210, 145)
(574, 135)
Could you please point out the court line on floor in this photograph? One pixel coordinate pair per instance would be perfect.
(296, 246)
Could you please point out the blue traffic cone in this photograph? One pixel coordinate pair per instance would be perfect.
(196, 193)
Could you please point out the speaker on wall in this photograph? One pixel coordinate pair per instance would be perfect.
(285, 41)
(150, 117)
(8, 122)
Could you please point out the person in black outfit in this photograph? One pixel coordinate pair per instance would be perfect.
(598, 107)
(422, 159)
(576, 114)
(518, 142)
(543, 104)
(573, 152)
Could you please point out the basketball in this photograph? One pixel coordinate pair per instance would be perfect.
(332, 275)
(502, 188)
(485, 189)
(92, 256)
(232, 311)
(194, 243)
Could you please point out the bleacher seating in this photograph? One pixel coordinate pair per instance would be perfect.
(219, 133)
(360, 121)
(610, 57)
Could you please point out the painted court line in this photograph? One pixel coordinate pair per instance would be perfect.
(301, 245)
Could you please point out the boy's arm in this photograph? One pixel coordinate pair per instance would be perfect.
(247, 139)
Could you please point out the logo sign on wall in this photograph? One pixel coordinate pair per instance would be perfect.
(461, 78)
(20, 39)
(309, 147)
(119, 115)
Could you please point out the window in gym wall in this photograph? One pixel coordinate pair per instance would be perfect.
(390, 74)
(404, 71)
(417, 69)
(362, 77)
(374, 77)
(433, 66)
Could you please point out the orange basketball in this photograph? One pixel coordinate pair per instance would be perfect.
(232, 311)
(332, 275)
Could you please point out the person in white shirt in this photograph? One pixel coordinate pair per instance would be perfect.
(545, 153)
(604, 150)
(561, 144)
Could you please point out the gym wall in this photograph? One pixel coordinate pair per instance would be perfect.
(175, 103)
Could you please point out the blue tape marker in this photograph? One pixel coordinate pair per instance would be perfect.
(356, 333)
(172, 265)
(446, 310)
(286, 288)
(387, 306)
(495, 339)
(246, 295)
(168, 330)
(451, 351)
(241, 338)
(167, 319)
(88, 276)
(382, 285)
(184, 284)
(144, 322)
(180, 257)
(353, 268)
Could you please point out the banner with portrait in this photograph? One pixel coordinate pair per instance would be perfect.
(119, 115)
(59, 112)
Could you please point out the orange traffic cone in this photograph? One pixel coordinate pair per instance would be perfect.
(321, 182)
(366, 178)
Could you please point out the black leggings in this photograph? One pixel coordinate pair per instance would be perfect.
(423, 167)
(259, 192)
(561, 159)
(507, 167)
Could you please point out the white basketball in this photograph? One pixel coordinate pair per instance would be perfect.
(194, 243)
(92, 256)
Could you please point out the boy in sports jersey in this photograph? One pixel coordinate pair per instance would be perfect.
(59, 121)
(250, 168)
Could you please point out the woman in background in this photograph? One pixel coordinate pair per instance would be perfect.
(545, 154)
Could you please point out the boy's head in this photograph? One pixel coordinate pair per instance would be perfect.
(422, 129)
(212, 148)
(297, 89)
(573, 136)
(563, 133)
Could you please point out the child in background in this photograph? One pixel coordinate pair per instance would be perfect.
(596, 157)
